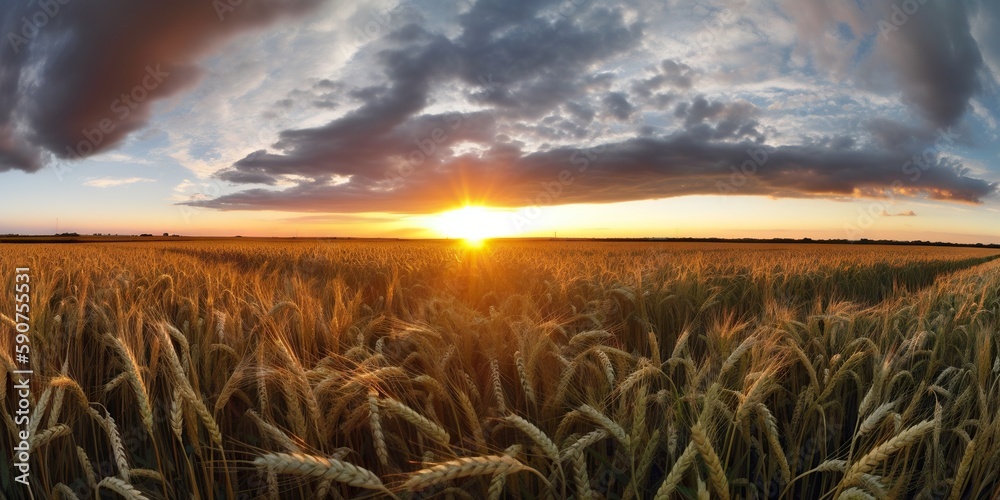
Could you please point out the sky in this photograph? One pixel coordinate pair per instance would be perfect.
(584, 118)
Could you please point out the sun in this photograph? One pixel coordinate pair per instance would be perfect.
(472, 223)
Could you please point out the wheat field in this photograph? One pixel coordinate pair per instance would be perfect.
(315, 369)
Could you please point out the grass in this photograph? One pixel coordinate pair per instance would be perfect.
(229, 369)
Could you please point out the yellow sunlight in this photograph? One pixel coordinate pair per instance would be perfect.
(471, 223)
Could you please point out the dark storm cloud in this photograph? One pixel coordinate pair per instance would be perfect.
(938, 60)
(731, 120)
(539, 60)
(617, 104)
(671, 73)
(60, 79)
(935, 61)
(542, 62)
(540, 88)
(636, 169)
(894, 135)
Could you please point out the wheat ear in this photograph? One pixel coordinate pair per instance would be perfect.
(601, 419)
(325, 468)
(497, 386)
(715, 472)
(463, 467)
(43, 438)
(63, 492)
(963, 471)
(536, 435)
(673, 479)
(88, 468)
(375, 422)
(522, 373)
(585, 441)
(121, 487)
(868, 462)
(425, 425)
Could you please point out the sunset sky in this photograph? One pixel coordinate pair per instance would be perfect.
(798, 118)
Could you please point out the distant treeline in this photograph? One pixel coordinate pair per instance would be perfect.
(862, 241)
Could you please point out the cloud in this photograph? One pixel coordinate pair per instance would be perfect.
(494, 101)
(105, 182)
(549, 101)
(936, 62)
(908, 213)
(634, 169)
(618, 106)
(84, 79)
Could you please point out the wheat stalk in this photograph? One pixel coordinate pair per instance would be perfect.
(36, 416)
(715, 471)
(738, 353)
(774, 441)
(274, 433)
(118, 448)
(499, 480)
(58, 401)
(121, 487)
(875, 418)
(375, 422)
(115, 382)
(42, 438)
(64, 492)
(88, 468)
(146, 473)
(958, 486)
(673, 479)
(609, 369)
(177, 415)
(581, 479)
(536, 435)
(74, 388)
(425, 425)
(526, 386)
(583, 442)
(463, 467)
(855, 494)
(135, 382)
(602, 420)
(325, 468)
(878, 455)
(501, 401)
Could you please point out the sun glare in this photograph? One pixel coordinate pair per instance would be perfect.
(472, 224)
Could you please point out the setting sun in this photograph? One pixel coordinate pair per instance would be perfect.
(472, 224)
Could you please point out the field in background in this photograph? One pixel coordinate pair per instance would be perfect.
(238, 369)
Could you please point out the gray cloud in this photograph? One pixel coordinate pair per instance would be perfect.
(937, 64)
(538, 61)
(499, 104)
(95, 61)
(682, 164)
(618, 106)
